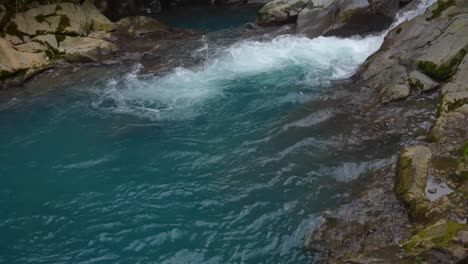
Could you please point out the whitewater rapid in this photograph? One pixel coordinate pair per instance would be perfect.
(180, 93)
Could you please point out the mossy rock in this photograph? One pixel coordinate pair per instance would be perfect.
(279, 12)
(410, 181)
(437, 236)
(444, 71)
(14, 62)
(394, 92)
(442, 5)
(452, 101)
(64, 18)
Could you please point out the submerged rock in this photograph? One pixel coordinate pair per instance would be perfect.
(420, 82)
(98, 21)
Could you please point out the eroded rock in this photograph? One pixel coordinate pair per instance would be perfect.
(411, 177)
(280, 12)
(77, 48)
(345, 18)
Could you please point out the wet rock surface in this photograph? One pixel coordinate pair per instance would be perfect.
(429, 178)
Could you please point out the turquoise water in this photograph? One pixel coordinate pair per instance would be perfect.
(209, 18)
(230, 161)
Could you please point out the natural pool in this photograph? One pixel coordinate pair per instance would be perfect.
(229, 161)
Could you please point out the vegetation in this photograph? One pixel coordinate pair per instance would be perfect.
(436, 236)
(441, 7)
(415, 84)
(443, 72)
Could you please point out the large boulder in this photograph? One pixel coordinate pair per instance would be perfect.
(63, 18)
(280, 12)
(98, 21)
(410, 182)
(346, 17)
(316, 18)
(422, 53)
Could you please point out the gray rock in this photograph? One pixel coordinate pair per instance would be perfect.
(388, 8)
(420, 81)
(411, 177)
(346, 17)
(420, 45)
(394, 92)
(315, 21)
(279, 12)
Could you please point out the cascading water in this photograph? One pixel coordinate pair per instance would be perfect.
(200, 165)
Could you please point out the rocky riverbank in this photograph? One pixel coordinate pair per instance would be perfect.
(429, 179)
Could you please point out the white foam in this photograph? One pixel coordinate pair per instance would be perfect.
(179, 93)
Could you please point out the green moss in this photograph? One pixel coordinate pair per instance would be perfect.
(12, 29)
(50, 52)
(58, 8)
(456, 104)
(452, 230)
(443, 72)
(63, 24)
(42, 18)
(437, 236)
(398, 31)
(441, 7)
(59, 38)
(464, 150)
(415, 84)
